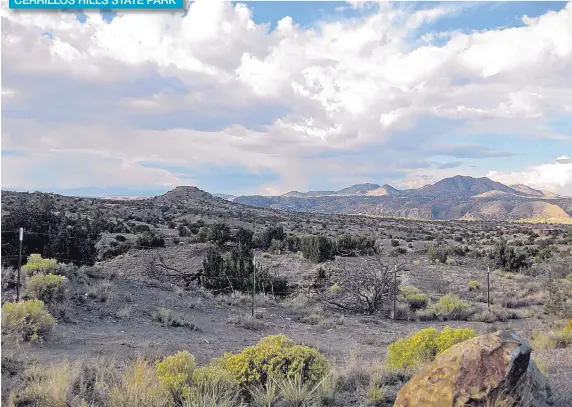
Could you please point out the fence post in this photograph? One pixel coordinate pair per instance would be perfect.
(21, 237)
(394, 291)
(488, 286)
(253, 284)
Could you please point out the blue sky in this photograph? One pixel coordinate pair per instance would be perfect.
(238, 98)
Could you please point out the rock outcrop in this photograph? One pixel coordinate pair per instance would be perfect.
(477, 372)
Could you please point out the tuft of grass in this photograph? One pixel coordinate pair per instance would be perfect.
(139, 387)
(377, 391)
(246, 322)
(266, 395)
(295, 391)
(45, 386)
(166, 317)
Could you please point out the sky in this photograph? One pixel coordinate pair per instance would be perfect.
(269, 97)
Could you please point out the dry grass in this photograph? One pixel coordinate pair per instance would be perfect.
(246, 322)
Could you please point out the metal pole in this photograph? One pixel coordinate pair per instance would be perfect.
(21, 237)
(253, 284)
(394, 291)
(488, 286)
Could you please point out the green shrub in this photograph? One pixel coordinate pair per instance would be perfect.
(274, 356)
(450, 307)
(26, 320)
(417, 301)
(423, 346)
(36, 264)
(46, 287)
(409, 289)
(149, 239)
(475, 286)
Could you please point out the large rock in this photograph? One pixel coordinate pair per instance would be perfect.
(476, 372)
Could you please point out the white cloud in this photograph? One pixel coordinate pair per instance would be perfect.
(555, 176)
(214, 87)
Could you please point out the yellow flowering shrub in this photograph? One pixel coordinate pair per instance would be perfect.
(452, 336)
(422, 347)
(274, 355)
(175, 372)
(26, 320)
(36, 263)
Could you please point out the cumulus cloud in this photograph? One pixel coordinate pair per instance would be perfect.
(555, 176)
(353, 96)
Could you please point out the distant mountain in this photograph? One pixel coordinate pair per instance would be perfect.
(458, 197)
(462, 187)
(527, 190)
(297, 194)
(358, 189)
(182, 193)
(383, 190)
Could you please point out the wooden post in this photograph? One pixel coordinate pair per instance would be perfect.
(253, 284)
(394, 292)
(21, 237)
(488, 286)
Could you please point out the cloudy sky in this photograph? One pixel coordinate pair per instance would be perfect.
(266, 97)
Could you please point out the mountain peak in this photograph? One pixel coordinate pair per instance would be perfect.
(183, 193)
(358, 189)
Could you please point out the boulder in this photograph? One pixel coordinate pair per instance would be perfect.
(496, 366)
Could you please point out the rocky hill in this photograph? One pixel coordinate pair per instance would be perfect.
(459, 197)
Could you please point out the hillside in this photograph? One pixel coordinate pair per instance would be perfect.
(459, 197)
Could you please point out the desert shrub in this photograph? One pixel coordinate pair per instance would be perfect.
(26, 320)
(317, 248)
(564, 335)
(398, 251)
(423, 346)
(274, 355)
(166, 317)
(452, 336)
(215, 385)
(37, 264)
(475, 286)
(149, 239)
(236, 272)
(508, 257)
(437, 253)
(417, 301)
(348, 244)
(48, 288)
(50, 232)
(409, 289)
(175, 373)
(243, 236)
(264, 240)
(46, 386)
(450, 307)
(139, 387)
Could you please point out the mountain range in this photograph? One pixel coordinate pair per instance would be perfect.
(458, 197)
